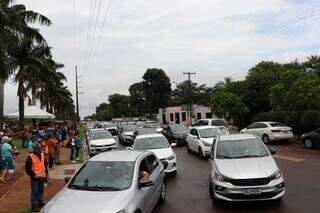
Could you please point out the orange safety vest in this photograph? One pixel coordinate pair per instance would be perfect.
(38, 165)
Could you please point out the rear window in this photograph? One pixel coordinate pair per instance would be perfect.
(276, 124)
(218, 123)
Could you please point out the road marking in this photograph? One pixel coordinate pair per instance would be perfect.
(282, 157)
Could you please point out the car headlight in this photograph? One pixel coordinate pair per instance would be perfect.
(276, 175)
(218, 176)
(206, 143)
(172, 157)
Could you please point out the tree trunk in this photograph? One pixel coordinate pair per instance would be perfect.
(33, 98)
(1, 103)
(21, 105)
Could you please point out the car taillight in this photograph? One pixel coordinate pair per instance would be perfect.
(276, 130)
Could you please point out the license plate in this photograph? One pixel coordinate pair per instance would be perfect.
(251, 191)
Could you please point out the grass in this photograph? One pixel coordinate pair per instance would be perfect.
(82, 134)
(17, 142)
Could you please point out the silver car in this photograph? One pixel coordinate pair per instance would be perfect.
(113, 182)
(243, 169)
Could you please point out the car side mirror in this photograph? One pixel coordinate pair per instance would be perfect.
(143, 184)
(272, 151)
(67, 179)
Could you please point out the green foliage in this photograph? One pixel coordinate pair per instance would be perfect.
(120, 105)
(104, 112)
(137, 99)
(227, 105)
(310, 120)
(157, 88)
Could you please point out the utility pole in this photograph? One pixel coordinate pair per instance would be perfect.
(190, 94)
(77, 95)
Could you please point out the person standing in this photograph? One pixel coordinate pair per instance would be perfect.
(35, 168)
(52, 143)
(6, 157)
(72, 149)
(77, 147)
(58, 146)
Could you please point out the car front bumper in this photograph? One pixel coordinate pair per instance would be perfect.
(97, 150)
(226, 191)
(169, 166)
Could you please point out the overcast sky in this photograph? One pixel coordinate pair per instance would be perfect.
(214, 38)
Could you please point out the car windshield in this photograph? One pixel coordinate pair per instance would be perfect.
(99, 135)
(152, 125)
(104, 176)
(140, 124)
(276, 124)
(130, 127)
(209, 132)
(151, 143)
(179, 128)
(218, 123)
(108, 125)
(240, 149)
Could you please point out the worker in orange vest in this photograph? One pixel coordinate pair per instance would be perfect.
(35, 168)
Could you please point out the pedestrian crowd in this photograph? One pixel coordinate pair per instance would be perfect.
(44, 145)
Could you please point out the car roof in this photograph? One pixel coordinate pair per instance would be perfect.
(99, 129)
(150, 136)
(235, 137)
(118, 155)
(205, 127)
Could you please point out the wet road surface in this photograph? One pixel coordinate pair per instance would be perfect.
(188, 191)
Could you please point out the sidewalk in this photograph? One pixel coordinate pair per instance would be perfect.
(15, 194)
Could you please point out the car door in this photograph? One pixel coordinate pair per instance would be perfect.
(197, 140)
(260, 129)
(145, 193)
(156, 173)
(190, 138)
(251, 128)
(193, 139)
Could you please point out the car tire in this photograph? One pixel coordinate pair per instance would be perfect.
(200, 153)
(213, 198)
(163, 193)
(188, 148)
(174, 173)
(265, 139)
(308, 144)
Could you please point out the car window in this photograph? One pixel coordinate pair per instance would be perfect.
(205, 122)
(276, 124)
(151, 143)
(192, 132)
(99, 135)
(253, 126)
(153, 163)
(143, 167)
(218, 123)
(209, 132)
(261, 125)
(196, 133)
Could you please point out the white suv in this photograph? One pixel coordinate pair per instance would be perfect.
(220, 123)
(201, 138)
(269, 131)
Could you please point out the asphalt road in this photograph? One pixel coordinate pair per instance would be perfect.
(188, 191)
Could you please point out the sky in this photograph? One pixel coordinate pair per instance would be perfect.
(114, 45)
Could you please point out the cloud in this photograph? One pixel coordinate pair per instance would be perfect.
(215, 38)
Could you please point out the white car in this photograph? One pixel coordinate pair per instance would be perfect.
(153, 124)
(220, 123)
(200, 139)
(269, 131)
(101, 140)
(160, 146)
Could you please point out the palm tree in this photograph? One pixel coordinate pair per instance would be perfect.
(14, 21)
(26, 56)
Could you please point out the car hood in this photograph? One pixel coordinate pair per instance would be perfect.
(247, 168)
(180, 133)
(208, 140)
(70, 201)
(163, 153)
(102, 142)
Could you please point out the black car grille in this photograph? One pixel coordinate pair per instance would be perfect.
(249, 182)
(265, 195)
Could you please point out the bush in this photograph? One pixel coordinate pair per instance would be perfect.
(310, 120)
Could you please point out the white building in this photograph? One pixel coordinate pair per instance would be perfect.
(180, 114)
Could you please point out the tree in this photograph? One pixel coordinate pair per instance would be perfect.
(104, 112)
(137, 99)
(228, 106)
(26, 56)
(312, 64)
(120, 105)
(297, 90)
(14, 19)
(181, 95)
(157, 89)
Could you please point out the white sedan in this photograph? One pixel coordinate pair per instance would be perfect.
(101, 140)
(200, 139)
(269, 131)
(160, 146)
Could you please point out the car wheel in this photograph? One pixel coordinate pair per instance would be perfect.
(163, 192)
(188, 148)
(308, 144)
(200, 153)
(265, 139)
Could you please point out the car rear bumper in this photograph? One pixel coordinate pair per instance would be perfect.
(276, 137)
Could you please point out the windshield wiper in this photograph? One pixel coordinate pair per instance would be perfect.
(87, 188)
(250, 156)
(107, 188)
